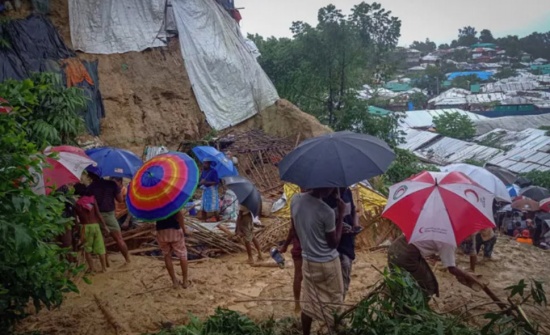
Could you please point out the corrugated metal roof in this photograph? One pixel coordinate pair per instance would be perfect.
(415, 139)
(449, 150)
(424, 118)
(513, 123)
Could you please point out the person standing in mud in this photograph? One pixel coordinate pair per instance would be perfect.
(106, 192)
(319, 234)
(209, 182)
(171, 240)
(296, 253)
(123, 216)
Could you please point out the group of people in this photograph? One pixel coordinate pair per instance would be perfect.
(525, 227)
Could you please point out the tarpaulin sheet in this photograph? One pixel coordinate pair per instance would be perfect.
(35, 40)
(229, 84)
(95, 110)
(116, 26)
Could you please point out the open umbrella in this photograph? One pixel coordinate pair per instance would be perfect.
(523, 182)
(483, 177)
(536, 193)
(544, 205)
(507, 177)
(337, 159)
(438, 206)
(247, 194)
(64, 165)
(513, 190)
(162, 186)
(526, 205)
(223, 165)
(114, 162)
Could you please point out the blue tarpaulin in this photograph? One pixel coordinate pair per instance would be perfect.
(483, 75)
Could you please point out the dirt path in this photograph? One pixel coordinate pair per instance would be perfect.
(140, 296)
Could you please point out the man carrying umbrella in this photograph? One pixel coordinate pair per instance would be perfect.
(209, 182)
(106, 192)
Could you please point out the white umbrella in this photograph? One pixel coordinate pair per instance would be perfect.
(483, 177)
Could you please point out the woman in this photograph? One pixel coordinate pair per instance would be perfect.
(209, 182)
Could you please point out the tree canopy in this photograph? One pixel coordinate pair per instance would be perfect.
(322, 66)
(467, 36)
(455, 125)
(424, 47)
(485, 36)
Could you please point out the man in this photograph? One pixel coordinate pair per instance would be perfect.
(410, 257)
(171, 239)
(346, 248)
(319, 234)
(296, 253)
(122, 214)
(209, 182)
(88, 215)
(245, 229)
(106, 192)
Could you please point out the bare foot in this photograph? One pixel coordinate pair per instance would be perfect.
(176, 283)
(260, 258)
(186, 284)
(251, 261)
(297, 309)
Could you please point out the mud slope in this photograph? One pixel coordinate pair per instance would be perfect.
(149, 100)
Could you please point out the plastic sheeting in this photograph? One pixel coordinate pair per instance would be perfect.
(95, 110)
(229, 84)
(35, 40)
(116, 26)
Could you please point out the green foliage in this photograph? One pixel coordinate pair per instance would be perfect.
(539, 178)
(323, 65)
(405, 165)
(455, 125)
(226, 322)
(48, 110)
(505, 73)
(419, 100)
(486, 36)
(33, 268)
(473, 161)
(397, 306)
(424, 47)
(465, 82)
(460, 55)
(467, 36)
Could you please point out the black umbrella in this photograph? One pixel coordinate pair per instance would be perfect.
(523, 182)
(507, 177)
(536, 193)
(247, 194)
(336, 160)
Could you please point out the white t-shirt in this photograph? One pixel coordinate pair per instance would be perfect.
(445, 251)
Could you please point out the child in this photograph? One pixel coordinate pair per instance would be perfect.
(245, 229)
(88, 214)
(170, 237)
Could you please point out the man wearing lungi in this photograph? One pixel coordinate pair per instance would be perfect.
(319, 234)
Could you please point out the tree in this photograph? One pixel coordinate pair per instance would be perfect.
(424, 47)
(455, 125)
(323, 65)
(511, 45)
(467, 36)
(485, 36)
(405, 165)
(505, 73)
(34, 269)
(444, 46)
(460, 55)
(537, 45)
(465, 82)
(49, 111)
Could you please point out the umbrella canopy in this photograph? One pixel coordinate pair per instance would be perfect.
(338, 159)
(162, 186)
(114, 162)
(523, 182)
(507, 177)
(483, 177)
(536, 193)
(513, 190)
(65, 167)
(247, 194)
(223, 165)
(544, 205)
(526, 204)
(438, 206)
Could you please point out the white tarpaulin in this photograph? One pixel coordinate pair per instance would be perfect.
(229, 84)
(116, 26)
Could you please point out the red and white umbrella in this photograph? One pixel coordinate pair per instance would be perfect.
(544, 205)
(65, 168)
(439, 206)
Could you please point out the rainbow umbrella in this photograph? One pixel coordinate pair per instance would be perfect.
(162, 186)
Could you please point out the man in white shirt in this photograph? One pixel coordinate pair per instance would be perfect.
(410, 257)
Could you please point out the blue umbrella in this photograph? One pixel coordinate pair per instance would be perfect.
(114, 162)
(513, 190)
(223, 165)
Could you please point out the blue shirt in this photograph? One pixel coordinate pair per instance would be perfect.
(210, 176)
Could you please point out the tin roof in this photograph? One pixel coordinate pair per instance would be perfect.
(424, 118)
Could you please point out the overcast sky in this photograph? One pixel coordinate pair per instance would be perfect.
(437, 19)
